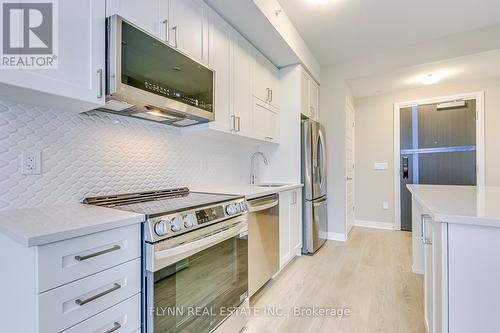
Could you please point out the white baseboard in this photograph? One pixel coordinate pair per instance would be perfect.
(336, 236)
(374, 224)
(417, 271)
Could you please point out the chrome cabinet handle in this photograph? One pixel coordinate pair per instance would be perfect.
(239, 123)
(96, 254)
(167, 30)
(116, 327)
(233, 123)
(176, 31)
(269, 138)
(267, 94)
(101, 85)
(82, 302)
(423, 237)
(271, 95)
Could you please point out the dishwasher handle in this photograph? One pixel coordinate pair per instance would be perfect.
(260, 204)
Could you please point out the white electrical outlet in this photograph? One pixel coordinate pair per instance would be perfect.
(31, 162)
(385, 205)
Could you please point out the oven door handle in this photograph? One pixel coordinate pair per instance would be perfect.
(201, 244)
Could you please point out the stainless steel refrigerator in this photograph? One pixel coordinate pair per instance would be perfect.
(314, 179)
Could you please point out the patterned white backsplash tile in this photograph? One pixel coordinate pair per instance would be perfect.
(98, 153)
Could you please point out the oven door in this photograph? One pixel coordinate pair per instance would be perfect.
(191, 286)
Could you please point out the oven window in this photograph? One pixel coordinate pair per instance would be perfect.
(194, 294)
(150, 65)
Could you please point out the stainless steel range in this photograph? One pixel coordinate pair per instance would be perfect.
(195, 259)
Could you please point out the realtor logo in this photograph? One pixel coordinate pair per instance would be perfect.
(29, 34)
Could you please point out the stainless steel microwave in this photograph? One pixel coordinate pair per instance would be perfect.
(148, 79)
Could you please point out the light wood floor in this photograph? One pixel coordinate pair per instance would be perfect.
(370, 274)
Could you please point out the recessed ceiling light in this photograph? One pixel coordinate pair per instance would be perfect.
(430, 78)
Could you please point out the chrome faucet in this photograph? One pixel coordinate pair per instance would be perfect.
(253, 171)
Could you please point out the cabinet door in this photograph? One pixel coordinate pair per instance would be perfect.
(296, 221)
(265, 122)
(261, 77)
(80, 72)
(189, 28)
(274, 74)
(144, 13)
(313, 100)
(304, 94)
(428, 273)
(243, 85)
(220, 47)
(285, 248)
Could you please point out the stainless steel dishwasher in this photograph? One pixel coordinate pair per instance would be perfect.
(263, 241)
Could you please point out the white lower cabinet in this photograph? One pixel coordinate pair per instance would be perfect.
(290, 233)
(123, 317)
(72, 303)
(90, 283)
(461, 274)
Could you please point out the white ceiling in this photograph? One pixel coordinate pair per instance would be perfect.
(343, 30)
(481, 65)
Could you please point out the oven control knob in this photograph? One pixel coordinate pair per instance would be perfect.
(188, 220)
(175, 224)
(161, 227)
(231, 209)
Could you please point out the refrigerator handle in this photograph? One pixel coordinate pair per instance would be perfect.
(323, 153)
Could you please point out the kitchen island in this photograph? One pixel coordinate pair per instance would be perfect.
(456, 245)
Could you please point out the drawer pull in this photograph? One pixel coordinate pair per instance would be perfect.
(116, 327)
(81, 302)
(96, 254)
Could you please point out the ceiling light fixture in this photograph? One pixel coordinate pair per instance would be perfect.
(430, 78)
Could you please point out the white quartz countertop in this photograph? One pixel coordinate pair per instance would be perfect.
(43, 225)
(474, 205)
(249, 191)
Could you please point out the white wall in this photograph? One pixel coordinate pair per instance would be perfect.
(374, 142)
(333, 93)
(99, 153)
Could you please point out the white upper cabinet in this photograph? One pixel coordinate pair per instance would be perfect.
(221, 50)
(265, 80)
(77, 84)
(181, 23)
(146, 14)
(242, 109)
(266, 122)
(314, 100)
(309, 91)
(188, 24)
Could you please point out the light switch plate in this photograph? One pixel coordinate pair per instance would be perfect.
(381, 165)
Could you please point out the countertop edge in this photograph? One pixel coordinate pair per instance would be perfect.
(273, 190)
(82, 231)
(83, 225)
(452, 218)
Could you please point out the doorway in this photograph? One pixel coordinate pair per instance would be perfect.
(439, 143)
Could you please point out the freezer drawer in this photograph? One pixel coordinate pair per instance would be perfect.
(315, 224)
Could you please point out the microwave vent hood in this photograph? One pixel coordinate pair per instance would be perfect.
(146, 78)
